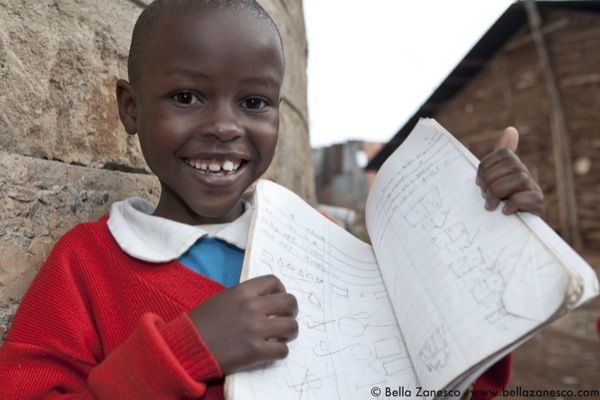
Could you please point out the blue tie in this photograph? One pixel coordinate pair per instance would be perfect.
(215, 259)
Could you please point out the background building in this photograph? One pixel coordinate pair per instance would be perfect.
(342, 181)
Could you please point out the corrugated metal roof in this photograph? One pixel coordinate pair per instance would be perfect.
(509, 22)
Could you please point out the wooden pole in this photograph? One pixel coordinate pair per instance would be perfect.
(565, 185)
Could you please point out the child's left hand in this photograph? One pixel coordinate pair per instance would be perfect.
(502, 176)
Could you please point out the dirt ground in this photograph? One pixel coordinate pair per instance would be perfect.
(564, 356)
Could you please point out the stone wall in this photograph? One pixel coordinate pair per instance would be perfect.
(41, 200)
(64, 157)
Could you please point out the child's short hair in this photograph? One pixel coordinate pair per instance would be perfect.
(144, 27)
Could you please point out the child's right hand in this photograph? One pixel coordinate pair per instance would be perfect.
(248, 324)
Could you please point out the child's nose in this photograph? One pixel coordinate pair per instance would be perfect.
(224, 125)
(226, 131)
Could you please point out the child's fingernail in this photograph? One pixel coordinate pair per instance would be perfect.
(477, 180)
(483, 194)
(505, 210)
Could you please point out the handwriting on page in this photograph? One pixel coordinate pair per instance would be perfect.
(348, 340)
(443, 254)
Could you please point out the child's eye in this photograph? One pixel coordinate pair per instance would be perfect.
(254, 103)
(186, 98)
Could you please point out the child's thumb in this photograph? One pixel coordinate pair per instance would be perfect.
(508, 140)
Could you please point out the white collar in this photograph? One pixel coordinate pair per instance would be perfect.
(155, 239)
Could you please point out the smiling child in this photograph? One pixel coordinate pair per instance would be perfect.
(146, 302)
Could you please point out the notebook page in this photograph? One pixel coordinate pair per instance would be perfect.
(348, 338)
(586, 286)
(464, 282)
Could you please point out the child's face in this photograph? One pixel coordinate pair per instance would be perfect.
(208, 99)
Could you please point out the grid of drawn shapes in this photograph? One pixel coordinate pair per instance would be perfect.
(467, 263)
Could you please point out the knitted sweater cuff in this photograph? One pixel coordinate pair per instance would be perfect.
(188, 347)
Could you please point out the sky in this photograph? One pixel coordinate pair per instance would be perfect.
(371, 64)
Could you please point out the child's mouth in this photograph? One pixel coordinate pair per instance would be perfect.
(215, 167)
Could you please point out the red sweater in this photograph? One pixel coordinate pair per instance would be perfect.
(97, 323)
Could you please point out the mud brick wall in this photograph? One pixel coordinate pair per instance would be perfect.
(64, 157)
(510, 90)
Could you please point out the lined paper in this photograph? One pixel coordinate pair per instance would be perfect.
(482, 278)
(348, 339)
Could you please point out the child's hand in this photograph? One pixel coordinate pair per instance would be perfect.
(502, 176)
(248, 324)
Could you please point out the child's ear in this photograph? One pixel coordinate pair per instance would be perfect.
(127, 102)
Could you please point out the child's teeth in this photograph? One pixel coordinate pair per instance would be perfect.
(228, 166)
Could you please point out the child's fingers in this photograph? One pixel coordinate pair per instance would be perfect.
(269, 350)
(495, 157)
(280, 328)
(505, 147)
(502, 176)
(500, 161)
(263, 285)
(505, 166)
(490, 161)
(506, 186)
(491, 202)
(531, 201)
(508, 140)
(281, 304)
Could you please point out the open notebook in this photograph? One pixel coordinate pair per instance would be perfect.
(445, 291)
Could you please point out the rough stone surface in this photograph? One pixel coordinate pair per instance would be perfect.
(61, 60)
(292, 166)
(40, 200)
(7, 311)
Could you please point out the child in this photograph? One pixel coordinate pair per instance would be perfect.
(144, 303)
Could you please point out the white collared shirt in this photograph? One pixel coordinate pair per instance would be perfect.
(155, 239)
